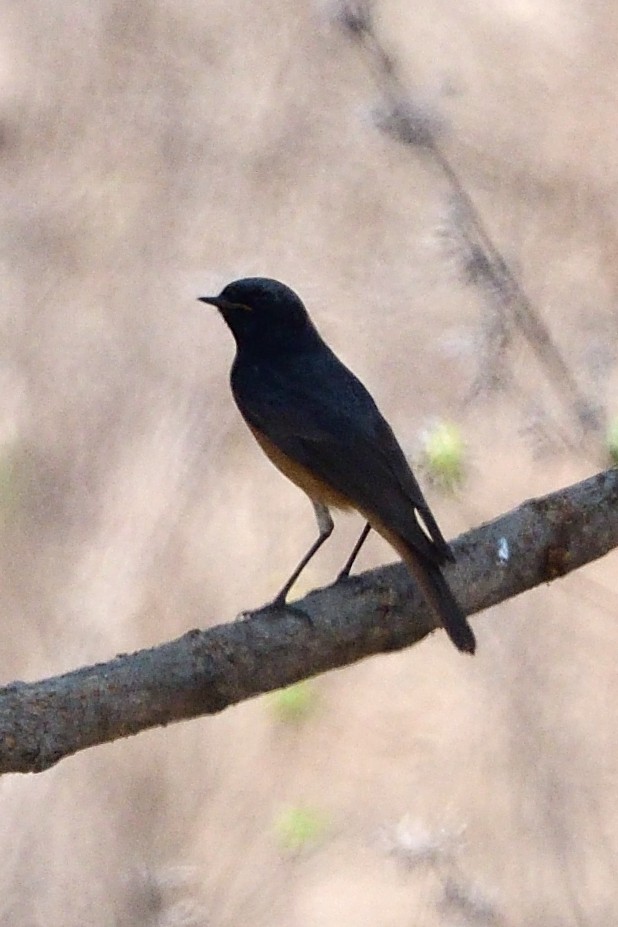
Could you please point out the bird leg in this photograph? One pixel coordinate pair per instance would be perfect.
(350, 562)
(325, 527)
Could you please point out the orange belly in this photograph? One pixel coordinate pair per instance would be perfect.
(315, 488)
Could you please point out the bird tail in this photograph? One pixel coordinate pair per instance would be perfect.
(432, 583)
(436, 591)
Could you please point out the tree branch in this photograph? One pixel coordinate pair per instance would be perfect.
(204, 672)
(414, 126)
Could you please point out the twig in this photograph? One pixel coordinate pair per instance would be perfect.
(414, 127)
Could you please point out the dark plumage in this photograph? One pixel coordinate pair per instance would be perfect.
(319, 425)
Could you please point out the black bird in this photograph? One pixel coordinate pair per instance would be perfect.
(318, 424)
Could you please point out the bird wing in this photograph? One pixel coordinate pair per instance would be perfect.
(318, 414)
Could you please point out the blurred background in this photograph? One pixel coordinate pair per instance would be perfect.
(153, 151)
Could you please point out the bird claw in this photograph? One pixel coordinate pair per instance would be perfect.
(280, 607)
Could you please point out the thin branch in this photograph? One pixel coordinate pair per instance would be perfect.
(204, 672)
(414, 126)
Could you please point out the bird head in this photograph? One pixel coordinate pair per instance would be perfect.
(260, 311)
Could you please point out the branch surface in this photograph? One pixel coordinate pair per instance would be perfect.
(204, 672)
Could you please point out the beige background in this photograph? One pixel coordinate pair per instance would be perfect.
(150, 151)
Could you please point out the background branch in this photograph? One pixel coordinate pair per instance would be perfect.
(415, 126)
(204, 672)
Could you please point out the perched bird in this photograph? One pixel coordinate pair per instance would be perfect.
(318, 424)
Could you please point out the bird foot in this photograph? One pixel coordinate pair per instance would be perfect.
(281, 607)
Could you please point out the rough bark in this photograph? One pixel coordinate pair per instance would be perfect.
(204, 672)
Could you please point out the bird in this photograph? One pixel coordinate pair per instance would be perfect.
(321, 428)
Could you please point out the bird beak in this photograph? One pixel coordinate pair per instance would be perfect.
(222, 304)
(212, 300)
